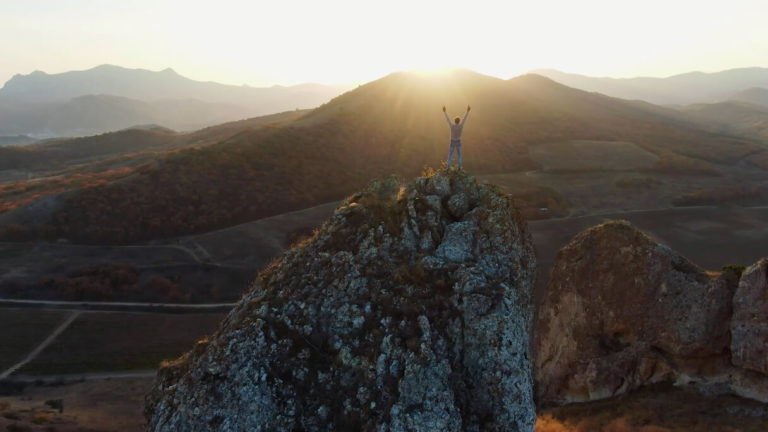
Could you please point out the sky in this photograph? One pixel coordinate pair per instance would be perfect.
(286, 42)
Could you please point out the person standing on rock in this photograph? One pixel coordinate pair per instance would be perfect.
(456, 127)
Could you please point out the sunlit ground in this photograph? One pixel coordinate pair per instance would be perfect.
(659, 409)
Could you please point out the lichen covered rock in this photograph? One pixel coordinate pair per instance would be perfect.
(749, 325)
(409, 310)
(622, 311)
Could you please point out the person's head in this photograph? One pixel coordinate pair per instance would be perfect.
(457, 120)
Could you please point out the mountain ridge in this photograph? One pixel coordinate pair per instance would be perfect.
(681, 89)
(108, 98)
(148, 85)
(754, 95)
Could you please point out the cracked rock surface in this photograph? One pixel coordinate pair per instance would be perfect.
(622, 311)
(749, 326)
(409, 310)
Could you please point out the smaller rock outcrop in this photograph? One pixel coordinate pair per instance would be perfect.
(622, 311)
(749, 325)
(409, 310)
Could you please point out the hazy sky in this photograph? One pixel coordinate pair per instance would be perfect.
(333, 41)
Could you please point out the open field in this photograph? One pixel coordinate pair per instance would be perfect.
(252, 245)
(117, 341)
(212, 267)
(711, 237)
(592, 156)
(22, 331)
(55, 271)
(602, 192)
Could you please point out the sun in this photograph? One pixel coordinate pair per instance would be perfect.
(436, 72)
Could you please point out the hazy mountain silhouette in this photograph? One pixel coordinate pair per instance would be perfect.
(107, 98)
(392, 125)
(683, 89)
(753, 95)
(16, 140)
(94, 114)
(731, 117)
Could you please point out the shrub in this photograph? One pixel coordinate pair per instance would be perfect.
(40, 418)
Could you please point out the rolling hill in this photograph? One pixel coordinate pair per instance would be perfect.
(34, 172)
(732, 117)
(94, 114)
(58, 153)
(392, 125)
(753, 95)
(684, 89)
(108, 98)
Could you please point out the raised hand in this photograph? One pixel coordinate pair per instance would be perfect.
(443, 108)
(468, 108)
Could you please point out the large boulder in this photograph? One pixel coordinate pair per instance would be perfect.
(622, 311)
(749, 325)
(409, 310)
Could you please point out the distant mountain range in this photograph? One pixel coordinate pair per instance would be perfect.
(745, 84)
(392, 125)
(108, 98)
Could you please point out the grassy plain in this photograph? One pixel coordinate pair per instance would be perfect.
(119, 341)
(583, 155)
(23, 330)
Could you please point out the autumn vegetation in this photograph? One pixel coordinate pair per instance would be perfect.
(21, 192)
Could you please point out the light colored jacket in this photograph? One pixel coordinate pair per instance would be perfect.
(456, 128)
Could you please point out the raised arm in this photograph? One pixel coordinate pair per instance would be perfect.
(465, 116)
(448, 119)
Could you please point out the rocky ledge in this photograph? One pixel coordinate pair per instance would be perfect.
(409, 310)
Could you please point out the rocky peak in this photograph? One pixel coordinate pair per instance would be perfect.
(408, 310)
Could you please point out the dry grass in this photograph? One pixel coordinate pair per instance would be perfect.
(576, 156)
(660, 409)
(740, 195)
(22, 330)
(104, 341)
(673, 163)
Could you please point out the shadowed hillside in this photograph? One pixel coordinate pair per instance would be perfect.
(392, 125)
(60, 152)
(732, 117)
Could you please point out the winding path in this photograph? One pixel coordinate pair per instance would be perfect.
(44, 344)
